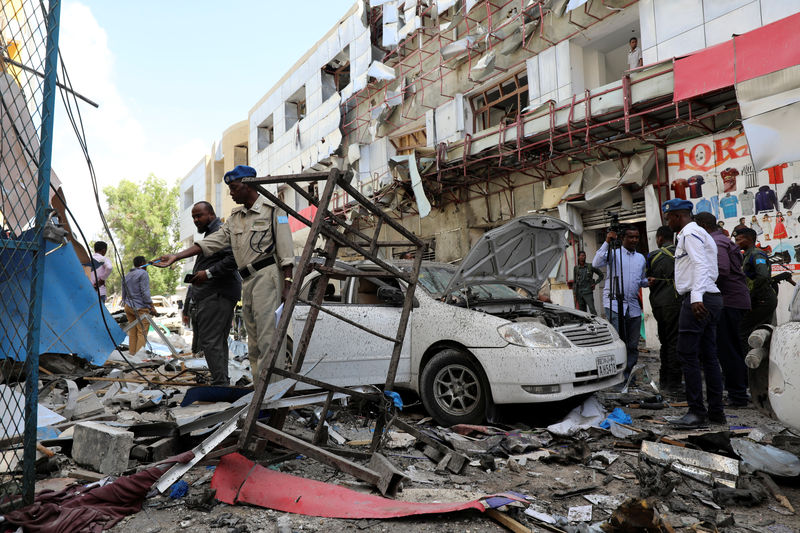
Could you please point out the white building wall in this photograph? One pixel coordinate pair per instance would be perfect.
(672, 28)
(192, 190)
(315, 137)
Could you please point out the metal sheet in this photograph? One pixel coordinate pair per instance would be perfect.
(770, 107)
(704, 466)
(521, 253)
(72, 317)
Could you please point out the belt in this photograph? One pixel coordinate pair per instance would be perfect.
(252, 268)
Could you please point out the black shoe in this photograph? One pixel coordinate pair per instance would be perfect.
(690, 420)
(718, 418)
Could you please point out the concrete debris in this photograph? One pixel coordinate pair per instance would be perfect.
(101, 447)
(573, 475)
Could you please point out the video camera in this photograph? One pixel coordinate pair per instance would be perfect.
(616, 227)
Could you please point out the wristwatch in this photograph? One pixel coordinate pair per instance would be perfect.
(208, 274)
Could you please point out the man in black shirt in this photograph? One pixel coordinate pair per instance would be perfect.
(666, 308)
(216, 287)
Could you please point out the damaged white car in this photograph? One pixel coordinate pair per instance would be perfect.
(475, 337)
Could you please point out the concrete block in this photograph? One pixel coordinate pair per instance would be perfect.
(103, 448)
(88, 405)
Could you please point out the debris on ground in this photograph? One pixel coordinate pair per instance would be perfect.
(601, 466)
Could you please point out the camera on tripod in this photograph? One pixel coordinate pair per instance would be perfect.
(615, 227)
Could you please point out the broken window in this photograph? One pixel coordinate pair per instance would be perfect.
(501, 103)
(188, 197)
(266, 133)
(405, 144)
(295, 107)
(240, 154)
(336, 74)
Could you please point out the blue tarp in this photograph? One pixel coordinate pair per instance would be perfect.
(72, 317)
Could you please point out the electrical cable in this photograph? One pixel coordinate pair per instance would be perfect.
(66, 88)
(80, 133)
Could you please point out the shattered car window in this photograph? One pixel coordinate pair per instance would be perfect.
(435, 280)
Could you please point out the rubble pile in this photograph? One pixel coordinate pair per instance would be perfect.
(612, 464)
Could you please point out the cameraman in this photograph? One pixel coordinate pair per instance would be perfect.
(624, 277)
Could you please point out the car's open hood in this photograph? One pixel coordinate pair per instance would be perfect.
(521, 253)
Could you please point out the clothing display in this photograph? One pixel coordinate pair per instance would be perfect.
(715, 206)
(766, 225)
(703, 206)
(679, 188)
(776, 174)
(748, 201)
(780, 229)
(696, 186)
(750, 176)
(755, 226)
(766, 200)
(791, 196)
(728, 204)
(729, 179)
(792, 224)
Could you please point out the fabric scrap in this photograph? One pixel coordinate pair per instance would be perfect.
(239, 480)
(80, 510)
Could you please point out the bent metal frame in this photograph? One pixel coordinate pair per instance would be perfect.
(338, 234)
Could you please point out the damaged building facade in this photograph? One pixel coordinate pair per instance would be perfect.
(460, 115)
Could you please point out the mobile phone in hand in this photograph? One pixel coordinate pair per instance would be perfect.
(188, 278)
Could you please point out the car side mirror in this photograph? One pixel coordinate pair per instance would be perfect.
(391, 296)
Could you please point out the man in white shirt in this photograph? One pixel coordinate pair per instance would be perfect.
(626, 275)
(100, 268)
(701, 305)
(634, 54)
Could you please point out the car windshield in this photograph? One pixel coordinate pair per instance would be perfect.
(434, 279)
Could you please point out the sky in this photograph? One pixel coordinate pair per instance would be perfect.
(170, 77)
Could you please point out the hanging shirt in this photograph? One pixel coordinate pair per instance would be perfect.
(679, 188)
(696, 186)
(631, 266)
(776, 173)
(728, 205)
(748, 202)
(703, 206)
(729, 179)
(695, 263)
(715, 206)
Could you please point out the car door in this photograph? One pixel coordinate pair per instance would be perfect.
(344, 355)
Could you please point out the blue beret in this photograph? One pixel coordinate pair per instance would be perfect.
(239, 172)
(676, 204)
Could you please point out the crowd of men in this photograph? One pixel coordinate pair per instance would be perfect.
(708, 293)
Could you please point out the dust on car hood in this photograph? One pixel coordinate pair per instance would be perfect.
(521, 253)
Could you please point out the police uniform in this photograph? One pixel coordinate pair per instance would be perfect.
(763, 299)
(262, 245)
(666, 309)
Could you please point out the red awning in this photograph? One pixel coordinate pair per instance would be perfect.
(764, 50)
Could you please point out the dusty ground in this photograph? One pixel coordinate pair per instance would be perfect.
(683, 509)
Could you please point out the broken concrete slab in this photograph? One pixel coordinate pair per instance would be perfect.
(708, 468)
(104, 448)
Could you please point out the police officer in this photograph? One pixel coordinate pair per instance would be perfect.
(763, 299)
(259, 235)
(660, 270)
(583, 286)
(701, 305)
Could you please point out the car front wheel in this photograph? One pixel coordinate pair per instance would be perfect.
(454, 389)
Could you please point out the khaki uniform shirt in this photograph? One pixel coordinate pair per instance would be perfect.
(254, 234)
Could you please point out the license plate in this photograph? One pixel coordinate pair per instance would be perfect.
(606, 366)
